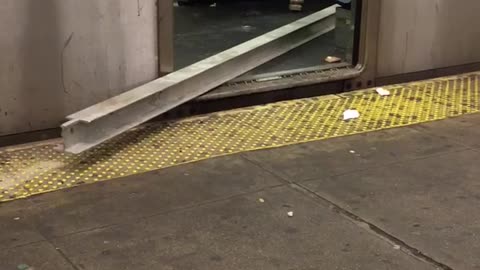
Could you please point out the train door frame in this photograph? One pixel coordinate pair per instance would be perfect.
(361, 74)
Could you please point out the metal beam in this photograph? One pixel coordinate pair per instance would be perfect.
(116, 115)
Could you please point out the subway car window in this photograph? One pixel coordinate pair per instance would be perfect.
(204, 28)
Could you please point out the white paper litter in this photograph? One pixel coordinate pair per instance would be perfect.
(59, 148)
(332, 59)
(382, 91)
(350, 114)
(290, 214)
(397, 247)
(261, 200)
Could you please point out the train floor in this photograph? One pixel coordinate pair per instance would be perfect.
(381, 198)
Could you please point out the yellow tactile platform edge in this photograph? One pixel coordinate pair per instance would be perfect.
(40, 169)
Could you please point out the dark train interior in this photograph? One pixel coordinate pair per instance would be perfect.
(205, 28)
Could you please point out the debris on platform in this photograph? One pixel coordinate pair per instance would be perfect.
(213, 5)
(247, 28)
(397, 247)
(332, 59)
(290, 214)
(17, 219)
(350, 114)
(261, 200)
(352, 152)
(59, 148)
(24, 267)
(382, 91)
(296, 5)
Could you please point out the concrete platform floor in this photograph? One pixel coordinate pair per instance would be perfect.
(402, 198)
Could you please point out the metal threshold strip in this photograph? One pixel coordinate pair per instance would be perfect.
(282, 80)
(105, 120)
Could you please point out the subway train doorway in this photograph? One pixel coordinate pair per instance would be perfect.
(206, 27)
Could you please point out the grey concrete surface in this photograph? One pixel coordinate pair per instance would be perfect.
(464, 130)
(347, 154)
(41, 256)
(403, 199)
(87, 207)
(238, 233)
(431, 203)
